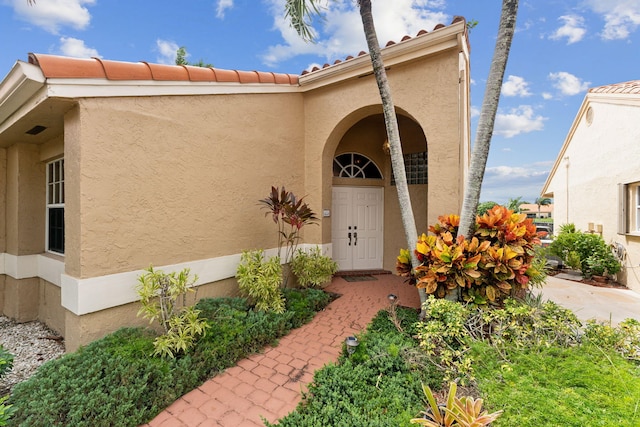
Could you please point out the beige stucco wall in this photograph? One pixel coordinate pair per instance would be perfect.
(50, 311)
(25, 200)
(3, 199)
(585, 183)
(165, 180)
(426, 91)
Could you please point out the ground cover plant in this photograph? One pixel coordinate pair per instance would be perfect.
(116, 381)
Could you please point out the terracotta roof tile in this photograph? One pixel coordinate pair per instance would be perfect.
(389, 43)
(61, 67)
(630, 87)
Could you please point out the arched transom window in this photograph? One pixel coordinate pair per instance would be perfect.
(354, 165)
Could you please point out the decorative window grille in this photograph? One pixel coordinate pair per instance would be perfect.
(354, 165)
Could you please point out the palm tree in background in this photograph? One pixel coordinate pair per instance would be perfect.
(299, 12)
(542, 201)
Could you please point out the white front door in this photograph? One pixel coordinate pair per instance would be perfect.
(356, 227)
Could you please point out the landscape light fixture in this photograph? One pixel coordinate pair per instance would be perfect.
(392, 298)
(352, 344)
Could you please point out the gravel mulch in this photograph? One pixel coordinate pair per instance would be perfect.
(31, 345)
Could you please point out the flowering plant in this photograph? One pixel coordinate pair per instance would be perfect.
(495, 263)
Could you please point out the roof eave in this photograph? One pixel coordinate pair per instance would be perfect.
(19, 86)
(425, 45)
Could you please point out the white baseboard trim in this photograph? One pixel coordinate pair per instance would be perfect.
(84, 296)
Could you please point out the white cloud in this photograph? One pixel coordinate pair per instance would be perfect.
(223, 5)
(51, 15)
(341, 34)
(573, 29)
(475, 111)
(515, 86)
(76, 48)
(621, 17)
(547, 96)
(167, 51)
(568, 84)
(502, 183)
(519, 120)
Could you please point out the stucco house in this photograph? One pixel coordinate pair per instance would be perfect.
(537, 211)
(595, 181)
(107, 167)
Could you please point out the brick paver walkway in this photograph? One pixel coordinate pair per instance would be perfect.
(269, 384)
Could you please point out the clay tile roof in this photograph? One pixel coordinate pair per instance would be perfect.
(630, 87)
(61, 67)
(389, 43)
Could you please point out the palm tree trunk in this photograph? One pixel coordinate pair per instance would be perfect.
(487, 117)
(393, 133)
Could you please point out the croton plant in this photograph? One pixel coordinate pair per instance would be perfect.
(495, 263)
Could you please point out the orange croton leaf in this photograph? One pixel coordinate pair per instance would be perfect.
(504, 285)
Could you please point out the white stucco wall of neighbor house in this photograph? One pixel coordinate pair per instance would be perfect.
(601, 152)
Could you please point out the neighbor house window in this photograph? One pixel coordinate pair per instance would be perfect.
(415, 166)
(55, 206)
(354, 165)
(629, 208)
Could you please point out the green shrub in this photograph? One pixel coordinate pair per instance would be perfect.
(312, 269)
(586, 252)
(115, 382)
(164, 298)
(260, 280)
(6, 363)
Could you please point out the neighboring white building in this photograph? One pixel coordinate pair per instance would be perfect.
(595, 181)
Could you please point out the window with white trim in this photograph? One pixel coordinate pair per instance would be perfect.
(629, 209)
(55, 206)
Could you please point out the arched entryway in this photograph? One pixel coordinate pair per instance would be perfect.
(366, 230)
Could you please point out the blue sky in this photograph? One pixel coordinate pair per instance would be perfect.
(561, 48)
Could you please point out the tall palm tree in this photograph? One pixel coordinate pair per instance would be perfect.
(299, 12)
(542, 201)
(484, 131)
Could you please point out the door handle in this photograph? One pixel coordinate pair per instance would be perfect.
(349, 239)
(355, 235)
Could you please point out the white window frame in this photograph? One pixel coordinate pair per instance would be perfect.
(55, 195)
(629, 208)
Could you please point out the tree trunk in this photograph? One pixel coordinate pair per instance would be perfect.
(393, 133)
(487, 118)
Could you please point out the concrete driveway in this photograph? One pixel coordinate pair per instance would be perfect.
(592, 302)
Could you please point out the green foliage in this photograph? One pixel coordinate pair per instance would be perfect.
(484, 207)
(379, 385)
(164, 298)
(115, 382)
(290, 214)
(624, 339)
(458, 412)
(443, 337)
(586, 252)
(312, 269)
(559, 386)
(496, 263)
(181, 59)
(6, 363)
(260, 280)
